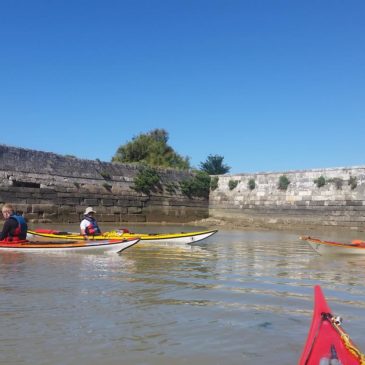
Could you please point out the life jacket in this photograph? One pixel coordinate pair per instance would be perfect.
(20, 232)
(92, 229)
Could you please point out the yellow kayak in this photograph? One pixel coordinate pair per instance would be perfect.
(49, 235)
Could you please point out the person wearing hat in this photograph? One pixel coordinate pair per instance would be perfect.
(89, 225)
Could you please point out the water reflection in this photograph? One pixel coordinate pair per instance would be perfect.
(215, 302)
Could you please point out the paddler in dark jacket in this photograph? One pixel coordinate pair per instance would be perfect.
(15, 227)
(89, 225)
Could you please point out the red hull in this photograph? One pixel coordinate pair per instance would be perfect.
(323, 335)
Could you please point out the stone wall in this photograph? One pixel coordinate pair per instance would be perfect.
(52, 188)
(303, 203)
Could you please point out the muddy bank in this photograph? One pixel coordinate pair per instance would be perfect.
(289, 227)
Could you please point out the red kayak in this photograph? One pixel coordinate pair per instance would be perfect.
(327, 342)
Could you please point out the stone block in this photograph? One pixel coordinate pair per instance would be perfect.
(7, 196)
(43, 208)
(133, 218)
(354, 202)
(30, 216)
(134, 210)
(69, 201)
(135, 203)
(50, 216)
(91, 202)
(107, 202)
(66, 209)
(108, 218)
(118, 210)
(69, 218)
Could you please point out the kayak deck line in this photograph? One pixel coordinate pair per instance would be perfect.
(327, 342)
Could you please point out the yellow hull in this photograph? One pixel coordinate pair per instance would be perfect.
(176, 238)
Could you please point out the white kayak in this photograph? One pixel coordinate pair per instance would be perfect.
(116, 246)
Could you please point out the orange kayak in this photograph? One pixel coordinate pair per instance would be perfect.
(356, 247)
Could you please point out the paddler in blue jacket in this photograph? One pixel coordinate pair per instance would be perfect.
(89, 225)
(15, 227)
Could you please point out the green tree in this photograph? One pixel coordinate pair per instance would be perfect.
(152, 149)
(214, 165)
(198, 185)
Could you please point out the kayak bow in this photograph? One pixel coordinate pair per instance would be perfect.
(327, 342)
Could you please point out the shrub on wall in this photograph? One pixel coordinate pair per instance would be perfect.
(283, 182)
(214, 183)
(107, 186)
(105, 175)
(171, 187)
(321, 181)
(146, 180)
(352, 182)
(198, 186)
(251, 184)
(337, 181)
(232, 184)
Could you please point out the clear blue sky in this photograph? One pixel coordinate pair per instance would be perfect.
(270, 85)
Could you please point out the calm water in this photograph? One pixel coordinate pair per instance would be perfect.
(237, 298)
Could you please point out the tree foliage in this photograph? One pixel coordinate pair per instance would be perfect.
(214, 165)
(198, 186)
(152, 149)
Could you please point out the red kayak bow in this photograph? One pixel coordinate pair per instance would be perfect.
(327, 342)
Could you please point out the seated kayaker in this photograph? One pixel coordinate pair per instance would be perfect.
(15, 227)
(89, 225)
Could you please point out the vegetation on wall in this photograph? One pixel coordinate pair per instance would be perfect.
(214, 165)
(171, 187)
(151, 149)
(352, 182)
(105, 175)
(107, 186)
(197, 186)
(251, 184)
(320, 181)
(214, 183)
(146, 180)
(232, 184)
(337, 181)
(283, 182)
